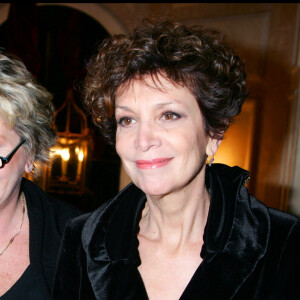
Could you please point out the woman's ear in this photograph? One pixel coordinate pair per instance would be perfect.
(212, 146)
(29, 164)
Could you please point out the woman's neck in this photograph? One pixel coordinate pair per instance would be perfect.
(176, 219)
(10, 213)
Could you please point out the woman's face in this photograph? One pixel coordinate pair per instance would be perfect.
(12, 172)
(160, 136)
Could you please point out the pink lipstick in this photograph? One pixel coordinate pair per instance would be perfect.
(153, 163)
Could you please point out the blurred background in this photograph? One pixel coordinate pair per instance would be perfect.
(55, 41)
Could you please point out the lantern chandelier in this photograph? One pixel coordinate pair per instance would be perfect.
(66, 174)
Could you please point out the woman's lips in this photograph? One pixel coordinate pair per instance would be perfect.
(153, 163)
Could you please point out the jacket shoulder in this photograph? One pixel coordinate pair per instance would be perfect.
(283, 222)
(71, 279)
(75, 225)
(53, 209)
(285, 236)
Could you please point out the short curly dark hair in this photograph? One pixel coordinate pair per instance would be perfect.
(197, 58)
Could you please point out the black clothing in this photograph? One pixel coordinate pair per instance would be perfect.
(47, 218)
(249, 251)
(26, 288)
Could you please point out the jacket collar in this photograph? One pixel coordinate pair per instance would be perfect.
(236, 236)
(114, 227)
(223, 183)
(109, 239)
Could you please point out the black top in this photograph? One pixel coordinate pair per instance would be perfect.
(26, 288)
(250, 251)
(47, 219)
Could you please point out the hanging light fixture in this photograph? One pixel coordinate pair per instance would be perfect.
(66, 174)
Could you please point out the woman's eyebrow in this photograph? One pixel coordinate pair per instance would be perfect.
(157, 105)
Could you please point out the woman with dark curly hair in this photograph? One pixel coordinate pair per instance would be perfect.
(164, 95)
(31, 223)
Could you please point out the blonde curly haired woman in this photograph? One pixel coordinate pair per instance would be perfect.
(31, 224)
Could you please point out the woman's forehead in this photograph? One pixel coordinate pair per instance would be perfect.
(7, 120)
(6, 132)
(157, 81)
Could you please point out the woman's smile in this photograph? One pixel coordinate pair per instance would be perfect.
(153, 163)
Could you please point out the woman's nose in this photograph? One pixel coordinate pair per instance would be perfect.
(147, 137)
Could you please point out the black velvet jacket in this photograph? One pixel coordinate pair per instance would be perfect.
(249, 252)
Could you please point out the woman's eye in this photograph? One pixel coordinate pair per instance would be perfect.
(170, 116)
(126, 121)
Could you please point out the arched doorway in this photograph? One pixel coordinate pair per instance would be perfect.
(93, 10)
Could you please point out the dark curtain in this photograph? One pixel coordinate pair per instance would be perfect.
(22, 35)
(69, 44)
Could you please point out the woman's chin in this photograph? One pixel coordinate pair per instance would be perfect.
(155, 189)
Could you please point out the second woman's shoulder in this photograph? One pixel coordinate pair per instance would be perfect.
(81, 221)
(100, 217)
(48, 208)
(284, 221)
(75, 225)
(89, 223)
